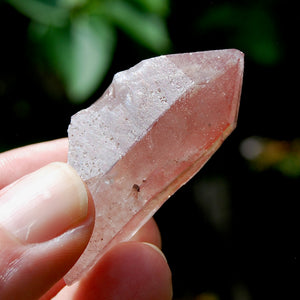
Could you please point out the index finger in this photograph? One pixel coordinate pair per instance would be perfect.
(21, 161)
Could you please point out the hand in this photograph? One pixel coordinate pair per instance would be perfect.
(46, 220)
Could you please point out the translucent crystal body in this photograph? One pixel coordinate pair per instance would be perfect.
(151, 131)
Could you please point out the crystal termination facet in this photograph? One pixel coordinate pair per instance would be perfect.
(151, 131)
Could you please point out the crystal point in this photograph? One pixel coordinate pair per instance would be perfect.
(151, 131)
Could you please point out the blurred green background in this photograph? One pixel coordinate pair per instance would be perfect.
(231, 232)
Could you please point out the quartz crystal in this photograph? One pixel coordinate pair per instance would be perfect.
(151, 131)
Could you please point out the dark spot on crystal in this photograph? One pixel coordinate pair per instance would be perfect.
(136, 187)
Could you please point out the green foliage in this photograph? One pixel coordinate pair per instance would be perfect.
(44, 12)
(249, 27)
(148, 29)
(159, 7)
(80, 53)
(77, 38)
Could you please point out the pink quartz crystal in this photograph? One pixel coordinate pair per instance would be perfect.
(151, 131)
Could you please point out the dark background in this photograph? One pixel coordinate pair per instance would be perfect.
(232, 231)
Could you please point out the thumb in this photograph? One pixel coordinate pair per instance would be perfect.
(46, 220)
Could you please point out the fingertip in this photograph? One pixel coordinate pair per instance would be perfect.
(130, 270)
(34, 265)
(149, 233)
(18, 162)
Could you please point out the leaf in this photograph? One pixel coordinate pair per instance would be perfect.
(44, 12)
(93, 44)
(251, 29)
(80, 54)
(147, 29)
(160, 7)
(72, 3)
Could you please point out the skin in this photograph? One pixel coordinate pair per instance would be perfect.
(133, 270)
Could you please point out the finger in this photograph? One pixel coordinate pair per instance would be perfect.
(149, 233)
(46, 220)
(21, 161)
(131, 270)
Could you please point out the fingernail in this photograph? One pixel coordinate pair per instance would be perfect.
(44, 204)
(156, 249)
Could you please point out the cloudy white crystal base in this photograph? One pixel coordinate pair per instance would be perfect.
(152, 130)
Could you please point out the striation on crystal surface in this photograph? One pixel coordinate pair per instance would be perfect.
(151, 131)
